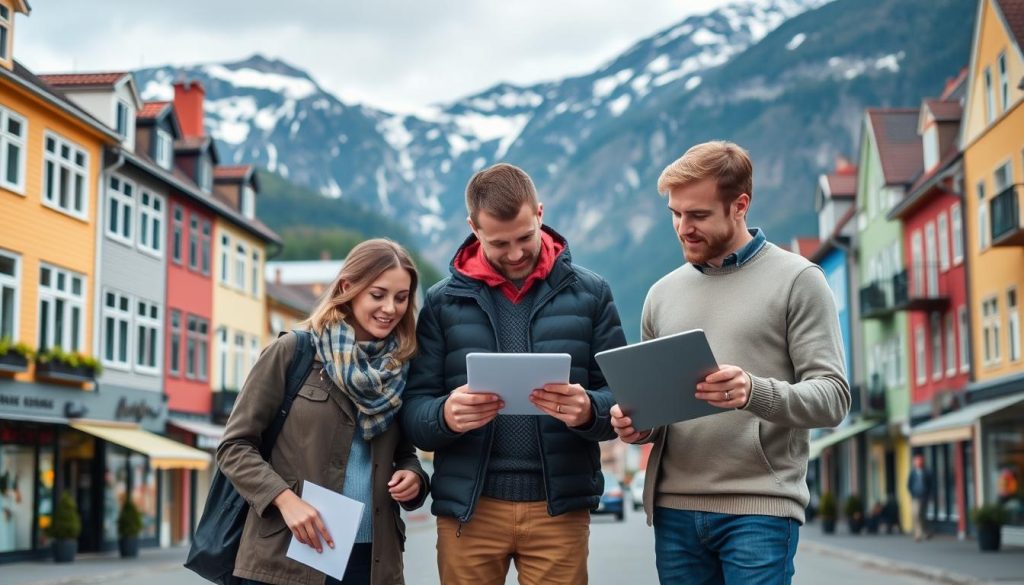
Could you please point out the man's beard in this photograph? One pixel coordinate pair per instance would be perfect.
(712, 247)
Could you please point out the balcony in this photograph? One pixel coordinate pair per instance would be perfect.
(1005, 212)
(922, 288)
(223, 402)
(874, 397)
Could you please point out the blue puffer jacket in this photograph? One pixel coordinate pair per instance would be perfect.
(573, 313)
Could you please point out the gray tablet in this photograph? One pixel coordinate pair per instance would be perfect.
(654, 382)
(513, 376)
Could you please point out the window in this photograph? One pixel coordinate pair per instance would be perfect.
(175, 358)
(950, 347)
(921, 369)
(917, 258)
(965, 338)
(65, 176)
(990, 98)
(178, 233)
(205, 256)
(931, 146)
(120, 209)
(1013, 324)
(193, 242)
(957, 226)
(151, 220)
(204, 173)
(240, 255)
(147, 339)
(61, 309)
(931, 266)
(222, 357)
(983, 234)
(254, 351)
(198, 347)
(943, 228)
(990, 326)
(5, 34)
(936, 331)
(248, 202)
(117, 324)
(164, 151)
(123, 119)
(1004, 82)
(225, 259)
(256, 273)
(10, 276)
(239, 360)
(1003, 177)
(12, 146)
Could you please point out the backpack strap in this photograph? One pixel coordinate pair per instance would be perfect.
(298, 371)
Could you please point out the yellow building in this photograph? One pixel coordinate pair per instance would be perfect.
(51, 162)
(992, 140)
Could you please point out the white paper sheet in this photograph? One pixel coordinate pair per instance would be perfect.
(341, 517)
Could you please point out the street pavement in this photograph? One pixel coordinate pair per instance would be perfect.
(620, 552)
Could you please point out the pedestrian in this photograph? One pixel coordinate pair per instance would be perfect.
(727, 493)
(340, 432)
(512, 487)
(920, 485)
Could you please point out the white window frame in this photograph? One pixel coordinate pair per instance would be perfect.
(51, 294)
(951, 346)
(148, 337)
(930, 141)
(931, 266)
(151, 222)
(255, 273)
(5, 34)
(120, 221)
(118, 332)
(942, 227)
(921, 368)
(1013, 323)
(239, 378)
(1004, 82)
(917, 259)
(199, 346)
(225, 259)
(241, 255)
(964, 330)
(204, 172)
(174, 349)
(248, 202)
(935, 327)
(193, 242)
(177, 234)
(990, 96)
(11, 282)
(77, 169)
(123, 118)
(956, 224)
(164, 149)
(222, 357)
(205, 245)
(1002, 177)
(983, 233)
(9, 141)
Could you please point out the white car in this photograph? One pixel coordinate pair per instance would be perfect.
(636, 489)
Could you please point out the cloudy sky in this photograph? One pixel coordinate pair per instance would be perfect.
(387, 53)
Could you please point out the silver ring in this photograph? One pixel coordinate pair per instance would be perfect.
(558, 409)
(727, 395)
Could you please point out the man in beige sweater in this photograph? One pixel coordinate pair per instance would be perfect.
(726, 493)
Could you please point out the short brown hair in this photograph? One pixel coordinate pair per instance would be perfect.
(500, 190)
(363, 265)
(726, 162)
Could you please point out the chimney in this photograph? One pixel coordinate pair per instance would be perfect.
(188, 103)
(844, 166)
(277, 275)
(325, 255)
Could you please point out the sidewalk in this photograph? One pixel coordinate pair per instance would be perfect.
(93, 568)
(942, 559)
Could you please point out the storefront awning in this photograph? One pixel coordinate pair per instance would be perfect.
(163, 453)
(838, 436)
(208, 435)
(959, 424)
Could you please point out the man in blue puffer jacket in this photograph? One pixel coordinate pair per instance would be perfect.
(512, 487)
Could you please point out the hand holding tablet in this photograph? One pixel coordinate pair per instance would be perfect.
(514, 376)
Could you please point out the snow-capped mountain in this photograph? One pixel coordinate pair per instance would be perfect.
(788, 79)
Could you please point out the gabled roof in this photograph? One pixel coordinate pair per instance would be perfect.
(196, 144)
(232, 172)
(834, 239)
(1013, 12)
(842, 186)
(21, 76)
(945, 110)
(899, 146)
(104, 80)
(298, 298)
(921, 189)
(153, 110)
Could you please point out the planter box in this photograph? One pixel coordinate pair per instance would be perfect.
(64, 550)
(129, 547)
(13, 362)
(65, 373)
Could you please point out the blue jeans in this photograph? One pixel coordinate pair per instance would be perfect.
(708, 548)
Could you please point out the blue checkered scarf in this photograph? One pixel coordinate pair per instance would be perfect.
(367, 372)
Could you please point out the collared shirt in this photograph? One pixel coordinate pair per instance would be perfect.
(744, 254)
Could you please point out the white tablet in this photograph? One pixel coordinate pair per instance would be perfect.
(654, 382)
(513, 376)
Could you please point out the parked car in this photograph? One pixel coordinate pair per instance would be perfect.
(636, 489)
(612, 500)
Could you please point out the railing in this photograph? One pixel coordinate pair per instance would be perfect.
(928, 290)
(1006, 227)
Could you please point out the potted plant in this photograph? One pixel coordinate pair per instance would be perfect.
(66, 527)
(14, 357)
(989, 518)
(827, 512)
(854, 511)
(129, 525)
(874, 519)
(61, 365)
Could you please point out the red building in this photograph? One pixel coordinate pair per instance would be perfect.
(934, 291)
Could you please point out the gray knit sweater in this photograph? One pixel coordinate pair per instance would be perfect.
(773, 316)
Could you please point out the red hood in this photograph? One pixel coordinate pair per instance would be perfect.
(472, 263)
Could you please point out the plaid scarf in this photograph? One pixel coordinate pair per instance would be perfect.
(367, 372)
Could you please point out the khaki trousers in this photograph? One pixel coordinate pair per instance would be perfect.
(547, 550)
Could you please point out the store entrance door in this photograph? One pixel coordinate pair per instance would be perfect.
(82, 467)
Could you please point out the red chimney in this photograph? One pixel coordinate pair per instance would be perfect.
(188, 103)
(844, 166)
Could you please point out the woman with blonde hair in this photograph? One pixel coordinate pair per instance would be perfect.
(340, 432)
